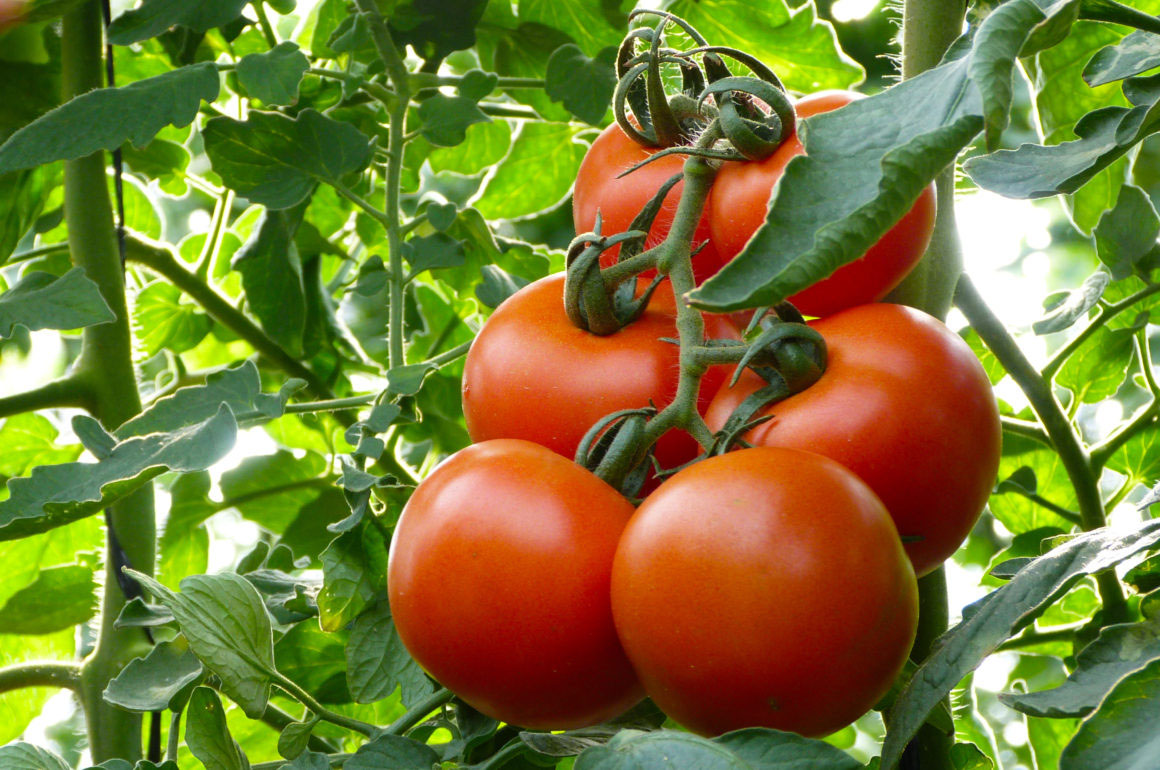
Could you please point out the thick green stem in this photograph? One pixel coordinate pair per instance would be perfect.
(279, 719)
(1118, 13)
(65, 392)
(1080, 469)
(307, 700)
(419, 712)
(49, 673)
(105, 367)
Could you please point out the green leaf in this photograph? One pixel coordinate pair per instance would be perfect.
(354, 570)
(445, 119)
(153, 17)
(1134, 55)
(395, 752)
(1121, 735)
(524, 52)
(991, 620)
(1074, 305)
(377, 663)
(537, 173)
(106, 118)
(161, 160)
(308, 760)
(25, 756)
(802, 50)
(750, 749)
(184, 546)
(485, 145)
(274, 76)
(1139, 457)
(497, 285)
(583, 85)
(58, 494)
(434, 252)
(1038, 171)
(165, 319)
(160, 680)
(29, 440)
(435, 28)
(275, 161)
(270, 490)
(1126, 235)
(207, 735)
(1118, 651)
(774, 750)
(229, 630)
(313, 659)
(60, 598)
(294, 739)
(23, 195)
(43, 301)
(1096, 370)
(967, 756)
(580, 19)
(272, 277)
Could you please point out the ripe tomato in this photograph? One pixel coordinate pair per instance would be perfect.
(904, 404)
(620, 200)
(532, 375)
(499, 586)
(766, 587)
(739, 201)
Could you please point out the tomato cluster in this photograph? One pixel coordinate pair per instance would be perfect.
(769, 586)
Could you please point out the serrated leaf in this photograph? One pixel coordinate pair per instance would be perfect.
(271, 272)
(991, 620)
(537, 173)
(229, 630)
(207, 734)
(1118, 651)
(377, 663)
(165, 319)
(354, 572)
(446, 119)
(583, 85)
(61, 597)
(58, 494)
(1075, 306)
(395, 752)
(1120, 735)
(44, 301)
(106, 118)
(801, 49)
(1134, 55)
(1126, 235)
(153, 17)
(29, 440)
(275, 161)
(25, 756)
(152, 683)
(1038, 171)
(274, 76)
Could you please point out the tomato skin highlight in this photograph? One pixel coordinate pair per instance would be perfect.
(499, 586)
(766, 587)
(739, 201)
(532, 375)
(619, 200)
(904, 404)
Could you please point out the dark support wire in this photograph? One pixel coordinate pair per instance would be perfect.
(129, 587)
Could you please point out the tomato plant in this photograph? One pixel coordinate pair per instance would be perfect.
(522, 627)
(531, 374)
(740, 197)
(765, 587)
(904, 404)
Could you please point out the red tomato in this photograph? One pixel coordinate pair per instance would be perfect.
(620, 200)
(765, 587)
(904, 404)
(532, 375)
(499, 586)
(740, 199)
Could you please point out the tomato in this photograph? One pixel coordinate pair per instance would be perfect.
(739, 201)
(499, 586)
(620, 200)
(532, 375)
(904, 404)
(766, 587)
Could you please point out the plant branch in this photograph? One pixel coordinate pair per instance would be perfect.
(68, 391)
(1031, 637)
(40, 251)
(264, 23)
(279, 719)
(1106, 313)
(419, 711)
(307, 700)
(1141, 421)
(1026, 429)
(421, 80)
(1079, 466)
(1117, 13)
(378, 214)
(47, 673)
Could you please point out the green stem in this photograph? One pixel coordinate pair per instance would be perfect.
(376, 213)
(279, 719)
(1080, 468)
(40, 251)
(105, 367)
(213, 241)
(1026, 429)
(1105, 314)
(310, 407)
(335, 760)
(249, 497)
(307, 700)
(421, 80)
(400, 79)
(264, 23)
(419, 712)
(48, 673)
(173, 743)
(1043, 502)
(1117, 13)
(64, 392)
(1144, 419)
(1032, 638)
